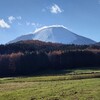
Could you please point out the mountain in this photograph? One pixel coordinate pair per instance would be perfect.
(97, 44)
(55, 34)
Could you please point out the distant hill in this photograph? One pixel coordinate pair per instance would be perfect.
(36, 45)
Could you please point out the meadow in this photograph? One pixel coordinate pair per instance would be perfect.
(77, 84)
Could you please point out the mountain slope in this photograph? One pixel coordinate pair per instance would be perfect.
(55, 34)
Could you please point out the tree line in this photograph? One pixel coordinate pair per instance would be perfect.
(29, 57)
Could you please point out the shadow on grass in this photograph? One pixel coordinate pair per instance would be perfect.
(56, 72)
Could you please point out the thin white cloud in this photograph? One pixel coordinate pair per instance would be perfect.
(3, 24)
(11, 19)
(28, 23)
(19, 17)
(44, 27)
(36, 25)
(19, 23)
(33, 24)
(55, 9)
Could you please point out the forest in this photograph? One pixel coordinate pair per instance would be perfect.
(30, 57)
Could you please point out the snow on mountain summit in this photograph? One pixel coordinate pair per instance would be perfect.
(58, 34)
(52, 26)
(55, 34)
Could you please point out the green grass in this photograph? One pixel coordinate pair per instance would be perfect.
(76, 85)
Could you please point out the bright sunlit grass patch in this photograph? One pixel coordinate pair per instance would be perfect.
(76, 86)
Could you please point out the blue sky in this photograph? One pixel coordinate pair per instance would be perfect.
(18, 17)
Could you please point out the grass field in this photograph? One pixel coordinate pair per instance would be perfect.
(75, 85)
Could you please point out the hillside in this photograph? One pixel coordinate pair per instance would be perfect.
(35, 45)
(29, 57)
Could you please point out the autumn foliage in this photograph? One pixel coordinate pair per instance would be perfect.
(29, 57)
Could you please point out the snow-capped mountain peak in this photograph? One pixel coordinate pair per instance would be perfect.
(45, 27)
(55, 34)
